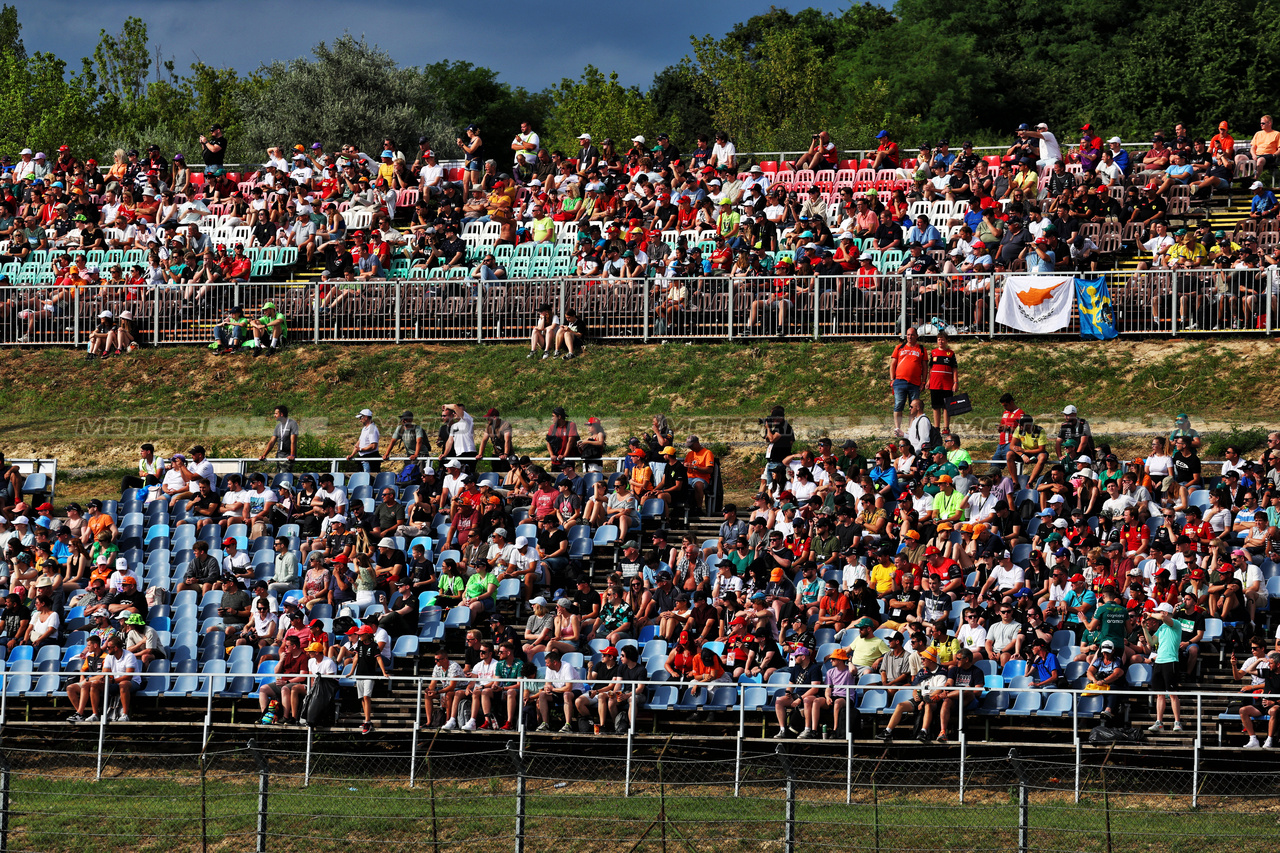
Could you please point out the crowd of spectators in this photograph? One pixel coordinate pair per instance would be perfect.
(786, 232)
(905, 565)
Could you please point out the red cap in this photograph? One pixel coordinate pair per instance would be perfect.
(1087, 127)
(342, 558)
(1150, 186)
(1198, 574)
(63, 148)
(1076, 578)
(931, 550)
(315, 623)
(610, 651)
(492, 413)
(230, 540)
(45, 506)
(593, 420)
(365, 629)
(738, 621)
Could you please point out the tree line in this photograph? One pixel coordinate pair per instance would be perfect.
(923, 70)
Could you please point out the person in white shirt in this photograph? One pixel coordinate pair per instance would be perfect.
(724, 153)
(918, 432)
(972, 635)
(234, 560)
(461, 443)
(484, 675)
(366, 446)
(121, 666)
(1006, 577)
(526, 146)
(1050, 151)
(174, 486)
(454, 479)
(1160, 243)
(560, 682)
(757, 179)
(981, 505)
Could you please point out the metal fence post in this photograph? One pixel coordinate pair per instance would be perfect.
(306, 766)
(102, 733)
(564, 296)
(4, 804)
(315, 314)
(1195, 752)
(519, 766)
(991, 311)
(263, 781)
(399, 312)
(1173, 311)
(644, 315)
(631, 739)
(817, 291)
(1024, 805)
(480, 312)
(902, 313)
(1075, 737)
(1271, 286)
(413, 741)
(963, 737)
(75, 322)
(155, 320)
(729, 321)
(789, 820)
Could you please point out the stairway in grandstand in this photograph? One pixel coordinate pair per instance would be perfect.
(1224, 213)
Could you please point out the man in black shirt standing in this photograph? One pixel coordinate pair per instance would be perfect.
(368, 664)
(214, 146)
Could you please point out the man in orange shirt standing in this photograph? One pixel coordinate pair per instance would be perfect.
(1264, 146)
(906, 375)
(700, 464)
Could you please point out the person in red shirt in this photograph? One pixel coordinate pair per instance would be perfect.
(1223, 142)
(887, 156)
(942, 380)
(906, 375)
(1008, 423)
(1200, 532)
(700, 462)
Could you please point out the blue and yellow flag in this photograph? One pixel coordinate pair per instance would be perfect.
(1097, 317)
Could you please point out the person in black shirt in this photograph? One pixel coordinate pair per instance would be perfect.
(368, 658)
(402, 619)
(1186, 469)
(337, 261)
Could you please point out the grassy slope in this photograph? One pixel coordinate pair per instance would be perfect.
(716, 389)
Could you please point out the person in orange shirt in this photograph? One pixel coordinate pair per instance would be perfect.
(906, 375)
(1223, 142)
(700, 463)
(1264, 146)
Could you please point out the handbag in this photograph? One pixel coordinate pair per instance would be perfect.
(958, 404)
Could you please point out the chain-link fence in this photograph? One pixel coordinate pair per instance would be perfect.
(293, 791)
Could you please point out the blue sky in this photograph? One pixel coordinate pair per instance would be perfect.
(533, 51)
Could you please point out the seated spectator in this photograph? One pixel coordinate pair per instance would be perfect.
(805, 682)
(560, 684)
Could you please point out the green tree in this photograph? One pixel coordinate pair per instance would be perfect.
(351, 92)
(682, 110)
(11, 32)
(473, 94)
(600, 106)
(43, 107)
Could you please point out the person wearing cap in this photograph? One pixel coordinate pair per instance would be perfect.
(366, 444)
(804, 682)
(866, 649)
(1163, 632)
(1028, 444)
(288, 684)
(926, 682)
(314, 705)
(603, 689)
(1075, 437)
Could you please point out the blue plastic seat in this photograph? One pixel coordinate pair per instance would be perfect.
(1056, 704)
(1024, 704)
(873, 701)
(661, 697)
(1013, 669)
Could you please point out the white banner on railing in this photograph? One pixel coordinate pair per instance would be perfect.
(1038, 304)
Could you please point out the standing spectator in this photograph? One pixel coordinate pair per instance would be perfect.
(213, 147)
(944, 375)
(1164, 632)
(906, 375)
(561, 438)
(366, 446)
(461, 440)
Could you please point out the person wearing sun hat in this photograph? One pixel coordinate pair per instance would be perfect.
(837, 694)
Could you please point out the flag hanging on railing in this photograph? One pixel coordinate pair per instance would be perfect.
(1097, 319)
(1038, 304)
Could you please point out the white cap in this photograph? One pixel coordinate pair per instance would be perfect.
(453, 463)
(338, 519)
(845, 236)
(126, 315)
(1057, 499)
(364, 413)
(386, 542)
(629, 197)
(1087, 474)
(585, 136)
(22, 519)
(1114, 139)
(1060, 523)
(24, 151)
(428, 470)
(535, 183)
(104, 315)
(539, 600)
(639, 139)
(1069, 410)
(865, 257)
(1086, 459)
(1256, 185)
(522, 542)
(1042, 126)
(1164, 607)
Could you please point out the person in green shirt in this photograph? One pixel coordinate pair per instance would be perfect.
(509, 669)
(1164, 632)
(955, 454)
(852, 463)
(1109, 619)
(232, 331)
(938, 469)
(948, 504)
(742, 556)
(270, 330)
(479, 591)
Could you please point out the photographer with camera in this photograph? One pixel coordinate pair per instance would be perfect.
(822, 153)
(780, 437)
(213, 146)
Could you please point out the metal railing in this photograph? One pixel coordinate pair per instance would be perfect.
(1145, 302)
(734, 701)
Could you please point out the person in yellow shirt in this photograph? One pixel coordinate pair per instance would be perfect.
(882, 576)
(1028, 445)
(1187, 252)
(940, 644)
(502, 199)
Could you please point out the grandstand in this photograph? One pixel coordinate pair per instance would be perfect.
(414, 295)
